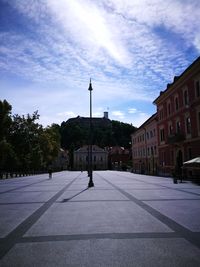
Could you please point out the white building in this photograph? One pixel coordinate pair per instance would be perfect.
(99, 158)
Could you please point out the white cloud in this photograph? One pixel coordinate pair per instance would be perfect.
(90, 27)
(118, 114)
(66, 114)
(115, 42)
(197, 42)
(132, 110)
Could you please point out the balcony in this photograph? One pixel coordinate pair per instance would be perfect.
(176, 138)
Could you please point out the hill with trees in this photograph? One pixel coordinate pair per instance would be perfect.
(76, 134)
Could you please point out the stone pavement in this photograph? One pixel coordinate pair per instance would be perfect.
(125, 220)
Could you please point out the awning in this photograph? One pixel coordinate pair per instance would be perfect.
(192, 161)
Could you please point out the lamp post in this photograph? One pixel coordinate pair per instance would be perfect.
(90, 184)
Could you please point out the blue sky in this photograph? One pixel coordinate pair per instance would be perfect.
(131, 49)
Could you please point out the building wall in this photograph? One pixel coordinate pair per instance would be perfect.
(152, 146)
(178, 109)
(118, 158)
(145, 147)
(139, 151)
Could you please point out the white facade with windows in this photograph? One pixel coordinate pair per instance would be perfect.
(99, 158)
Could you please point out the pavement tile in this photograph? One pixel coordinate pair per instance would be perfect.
(108, 226)
(12, 215)
(93, 194)
(161, 193)
(15, 197)
(185, 212)
(95, 217)
(105, 253)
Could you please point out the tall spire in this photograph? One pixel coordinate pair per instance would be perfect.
(90, 86)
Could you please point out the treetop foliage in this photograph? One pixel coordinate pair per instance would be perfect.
(76, 134)
(24, 144)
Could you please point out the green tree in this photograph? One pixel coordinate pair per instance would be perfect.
(8, 159)
(5, 119)
(24, 138)
(50, 144)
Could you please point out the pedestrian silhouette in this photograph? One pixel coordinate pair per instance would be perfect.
(50, 173)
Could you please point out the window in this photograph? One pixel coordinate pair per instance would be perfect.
(162, 135)
(176, 103)
(188, 125)
(169, 108)
(198, 116)
(189, 153)
(172, 157)
(178, 127)
(197, 86)
(186, 98)
(155, 150)
(170, 129)
(147, 135)
(161, 114)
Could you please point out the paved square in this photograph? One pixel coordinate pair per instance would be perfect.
(125, 220)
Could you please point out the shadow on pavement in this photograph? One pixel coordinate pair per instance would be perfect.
(67, 199)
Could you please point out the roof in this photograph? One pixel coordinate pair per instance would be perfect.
(118, 150)
(95, 148)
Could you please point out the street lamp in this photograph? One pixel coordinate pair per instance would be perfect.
(90, 184)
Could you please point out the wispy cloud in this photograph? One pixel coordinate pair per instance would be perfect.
(131, 49)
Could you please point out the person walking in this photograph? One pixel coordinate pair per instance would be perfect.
(50, 173)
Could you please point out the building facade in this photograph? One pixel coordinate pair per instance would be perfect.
(178, 126)
(118, 158)
(145, 147)
(99, 158)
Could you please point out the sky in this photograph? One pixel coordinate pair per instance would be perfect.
(131, 49)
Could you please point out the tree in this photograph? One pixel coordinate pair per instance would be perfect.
(5, 119)
(7, 155)
(50, 144)
(35, 145)
(76, 134)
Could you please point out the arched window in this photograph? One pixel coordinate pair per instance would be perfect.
(169, 110)
(176, 103)
(188, 125)
(186, 97)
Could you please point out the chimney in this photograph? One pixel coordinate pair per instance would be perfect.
(105, 114)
